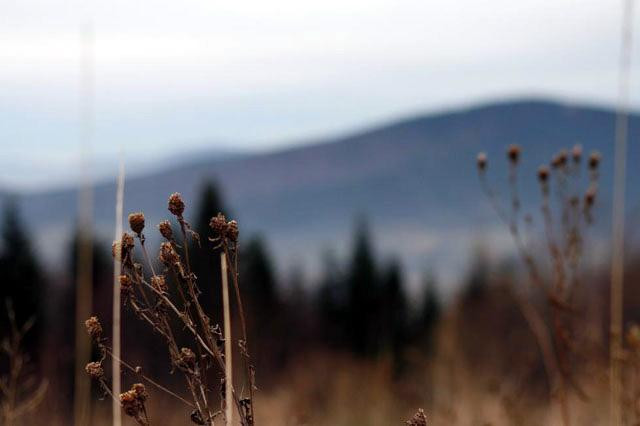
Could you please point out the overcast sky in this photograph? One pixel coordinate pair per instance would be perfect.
(180, 76)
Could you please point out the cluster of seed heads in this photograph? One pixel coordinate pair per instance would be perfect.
(158, 305)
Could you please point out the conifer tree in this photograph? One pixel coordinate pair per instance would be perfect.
(362, 296)
(22, 280)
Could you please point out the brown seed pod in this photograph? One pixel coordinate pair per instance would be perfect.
(168, 255)
(418, 419)
(94, 370)
(94, 328)
(513, 153)
(127, 242)
(165, 229)
(576, 153)
(232, 231)
(136, 222)
(481, 161)
(158, 282)
(543, 174)
(176, 205)
(560, 159)
(126, 285)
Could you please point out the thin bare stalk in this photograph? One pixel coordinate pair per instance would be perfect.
(82, 385)
(617, 252)
(146, 378)
(228, 370)
(117, 268)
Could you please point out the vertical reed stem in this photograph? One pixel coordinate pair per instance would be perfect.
(617, 252)
(228, 380)
(84, 281)
(115, 364)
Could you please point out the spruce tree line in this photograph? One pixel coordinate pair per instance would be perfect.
(359, 306)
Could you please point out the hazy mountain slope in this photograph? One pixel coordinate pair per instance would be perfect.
(414, 179)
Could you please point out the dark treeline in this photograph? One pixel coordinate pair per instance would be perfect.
(359, 306)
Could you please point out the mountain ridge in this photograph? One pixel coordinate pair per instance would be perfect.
(415, 180)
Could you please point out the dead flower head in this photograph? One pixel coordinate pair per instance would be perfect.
(94, 370)
(133, 400)
(176, 204)
(481, 161)
(590, 197)
(94, 328)
(594, 160)
(158, 282)
(165, 229)
(560, 159)
(168, 255)
(418, 419)
(513, 153)
(576, 153)
(187, 358)
(543, 174)
(136, 222)
(126, 285)
(223, 229)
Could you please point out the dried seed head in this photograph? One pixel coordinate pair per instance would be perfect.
(223, 229)
(218, 224)
(481, 161)
(133, 400)
(94, 328)
(94, 370)
(576, 153)
(418, 419)
(594, 160)
(158, 282)
(560, 159)
(176, 205)
(188, 354)
(130, 403)
(126, 285)
(187, 357)
(127, 242)
(232, 231)
(141, 391)
(513, 153)
(168, 255)
(165, 229)
(136, 222)
(543, 174)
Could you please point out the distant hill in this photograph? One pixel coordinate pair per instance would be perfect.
(415, 180)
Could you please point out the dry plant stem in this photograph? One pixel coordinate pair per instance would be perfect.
(531, 315)
(196, 389)
(82, 384)
(245, 345)
(12, 404)
(207, 343)
(617, 255)
(147, 379)
(228, 381)
(117, 269)
(83, 345)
